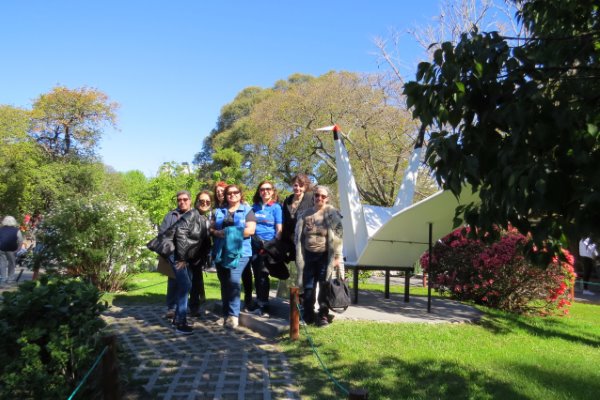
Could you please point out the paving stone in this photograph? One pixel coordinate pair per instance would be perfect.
(212, 363)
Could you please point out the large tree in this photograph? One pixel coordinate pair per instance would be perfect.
(518, 118)
(277, 136)
(70, 121)
(45, 152)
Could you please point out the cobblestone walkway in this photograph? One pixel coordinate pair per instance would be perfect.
(213, 363)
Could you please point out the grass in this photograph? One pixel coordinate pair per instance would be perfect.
(505, 356)
(151, 288)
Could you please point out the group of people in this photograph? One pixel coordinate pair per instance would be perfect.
(233, 236)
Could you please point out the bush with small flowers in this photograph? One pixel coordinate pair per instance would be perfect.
(499, 275)
(97, 238)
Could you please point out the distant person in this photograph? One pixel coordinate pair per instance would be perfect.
(588, 253)
(269, 222)
(299, 201)
(183, 206)
(318, 239)
(202, 260)
(232, 226)
(11, 239)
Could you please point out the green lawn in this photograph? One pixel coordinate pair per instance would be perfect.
(502, 357)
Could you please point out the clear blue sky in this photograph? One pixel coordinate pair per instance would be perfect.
(172, 65)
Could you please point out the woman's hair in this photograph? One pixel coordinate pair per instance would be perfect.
(304, 180)
(257, 199)
(216, 198)
(206, 192)
(323, 189)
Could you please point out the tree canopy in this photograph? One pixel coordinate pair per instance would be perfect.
(70, 121)
(518, 119)
(274, 131)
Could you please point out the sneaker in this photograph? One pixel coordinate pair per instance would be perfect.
(170, 313)
(183, 329)
(323, 322)
(262, 312)
(588, 292)
(250, 307)
(232, 322)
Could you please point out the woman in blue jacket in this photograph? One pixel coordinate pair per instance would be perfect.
(269, 222)
(232, 227)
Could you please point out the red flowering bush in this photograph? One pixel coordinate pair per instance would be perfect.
(499, 275)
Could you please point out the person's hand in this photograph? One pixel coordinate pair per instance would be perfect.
(180, 264)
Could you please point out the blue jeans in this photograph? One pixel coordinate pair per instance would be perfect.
(261, 279)
(231, 287)
(315, 271)
(183, 284)
(171, 293)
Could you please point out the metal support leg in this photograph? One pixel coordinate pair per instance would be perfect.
(355, 284)
(387, 283)
(406, 286)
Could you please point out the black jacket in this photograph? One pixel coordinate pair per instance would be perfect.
(289, 221)
(191, 238)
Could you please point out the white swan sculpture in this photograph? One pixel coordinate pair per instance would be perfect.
(391, 236)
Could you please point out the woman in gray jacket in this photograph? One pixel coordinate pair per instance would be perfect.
(318, 241)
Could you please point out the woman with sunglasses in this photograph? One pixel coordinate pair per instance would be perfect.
(269, 221)
(220, 202)
(203, 204)
(318, 241)
(231, 228)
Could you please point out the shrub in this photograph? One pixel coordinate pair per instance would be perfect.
(100, 239)
(499, 275)
(48, 337)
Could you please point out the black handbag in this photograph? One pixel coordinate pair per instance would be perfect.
(163, 244)
(337, 295)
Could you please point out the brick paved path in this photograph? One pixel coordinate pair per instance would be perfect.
(213, 363)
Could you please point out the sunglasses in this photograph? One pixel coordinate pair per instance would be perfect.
(320, 196)
(183, 199)
(204, 202)
(266, 189)
(233, 193)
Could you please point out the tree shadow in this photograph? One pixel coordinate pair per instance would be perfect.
(545, 328)
(393, 378)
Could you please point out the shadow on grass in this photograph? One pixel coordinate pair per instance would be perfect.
(551, 327)
(393, 378)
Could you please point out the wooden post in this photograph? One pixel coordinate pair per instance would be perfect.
(110, 371)
(294, 314)
(358, 394)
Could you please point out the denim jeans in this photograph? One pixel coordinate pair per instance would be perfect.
(315, 270)
(261, 279)
(231, 286)
(183, 284)
(171, 293)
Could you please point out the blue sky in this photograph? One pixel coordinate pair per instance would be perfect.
(173, 65)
